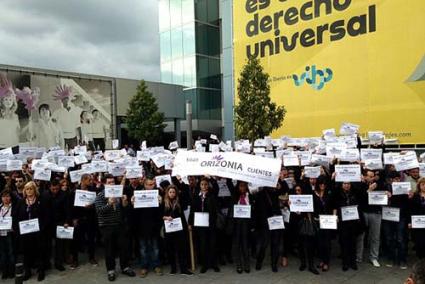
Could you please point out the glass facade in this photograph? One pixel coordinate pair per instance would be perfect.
(190, 52)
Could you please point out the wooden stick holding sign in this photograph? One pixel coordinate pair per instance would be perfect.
(192, 250)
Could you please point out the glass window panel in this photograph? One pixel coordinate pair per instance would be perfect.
(207, 40)
(178, 70)
(188, 11)
(189, 79)
(201, 13)
(176, 43)
(176, 13)
(165, 46)
(189, 39)
(213, 15)
(164, 15)
(166, 73)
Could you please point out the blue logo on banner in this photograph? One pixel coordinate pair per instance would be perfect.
(315, 78)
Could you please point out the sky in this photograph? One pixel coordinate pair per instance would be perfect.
(101, 37)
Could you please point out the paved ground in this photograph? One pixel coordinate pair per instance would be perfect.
(88, 274)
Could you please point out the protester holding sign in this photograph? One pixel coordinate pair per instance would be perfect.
(33, 245)
(176, 242)
(60, 216)
(395, 233)
(110, 219)
(7, 235)
(372, 216)
(417, 206)
(322, 206)
(266, 206)
(205, 206)
(348, 228)
(242, 223)
(85, 224)
(148, 222)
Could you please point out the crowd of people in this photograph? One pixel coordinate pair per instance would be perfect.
(138, 237)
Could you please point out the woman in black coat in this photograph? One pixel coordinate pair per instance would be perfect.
(175, 242)
(241, 226)
(206, 202)
(33, 246)
(348, 230)
(417, 205)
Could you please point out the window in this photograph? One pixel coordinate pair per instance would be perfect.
(188, 11)
(176, 43)
(164, 15)
(189, 39)
(165, 46)
(176, 13)
(189, 77)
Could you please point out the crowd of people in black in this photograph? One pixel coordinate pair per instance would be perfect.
(137, 235)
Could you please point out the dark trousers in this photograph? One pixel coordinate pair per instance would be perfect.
(84, 236)
(207, 247)
(115, 245)
(7, 253)
(348, 241)
(419, 240)
(224, 246)
(99, 143)
(241, 232)
(176, 244)
(306, 250)
(33, 247)
(264, 236)
(395, 234)
(324, 245)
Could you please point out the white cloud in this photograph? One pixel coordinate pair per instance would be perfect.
(102, 37)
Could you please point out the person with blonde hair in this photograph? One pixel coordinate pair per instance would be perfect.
(33, 246)
(175, 242)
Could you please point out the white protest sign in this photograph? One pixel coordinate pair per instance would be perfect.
(5, 223)
(406, 162)
(114, 191)
(116, 169)
(276, 223)
(214, 137)
(29, 226)
(312, 172)
(304, 157)
(389, 158)
(202, 219)
(66, 161)
(146, 198)
(335, 150)
(375, 136)
(399, 188)
(79, 149)
(42, 174)
(6, 154)
(320, 160)
(143, 155)
(64, 233)
(99, 166)
(301, 203)
(214, 148)
(373, 164)
(238, 166)
(377, 198)
(133, 172)
(75, 176)
(111, 155)
(350, 155)
(349, 129)
(174, 225)
(173, 145)
(80, 159)
(370, 154)
(391, 214)
(13, 165)
(290, 160)
(347, 173)
(159, 179)
(349, 213)
(329, 132)
(242, 211)
(328, 222)
(84, 198)
(418, 221)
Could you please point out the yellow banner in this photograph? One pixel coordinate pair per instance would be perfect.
(335, 61)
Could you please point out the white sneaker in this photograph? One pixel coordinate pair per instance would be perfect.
(403, 266)
(389, 265)
(375, 263)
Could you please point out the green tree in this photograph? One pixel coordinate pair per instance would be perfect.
(144, 121)
(256, 115)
